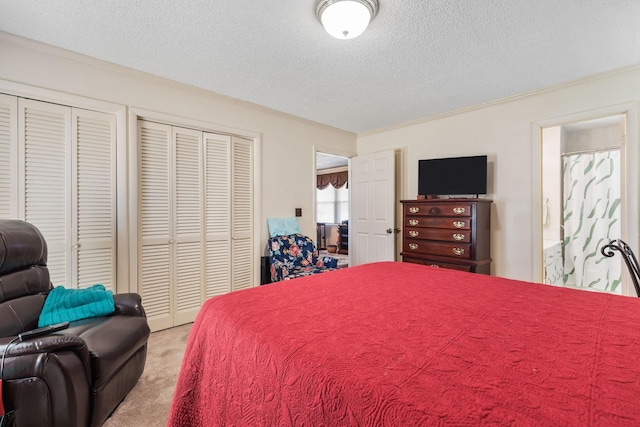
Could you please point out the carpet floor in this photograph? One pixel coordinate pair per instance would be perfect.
(147, 404)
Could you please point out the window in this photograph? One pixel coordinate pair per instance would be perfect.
(332, 205)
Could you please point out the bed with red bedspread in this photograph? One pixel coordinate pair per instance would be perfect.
(398, 344)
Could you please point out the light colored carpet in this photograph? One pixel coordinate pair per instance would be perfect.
(147, 404)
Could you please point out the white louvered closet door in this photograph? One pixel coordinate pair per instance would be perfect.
(45, 176)
(8, 156)
(188, 246)
(195, 207)
(242, 213)
(155, 210)
(66, 171)
(217, 214)
(93, 252)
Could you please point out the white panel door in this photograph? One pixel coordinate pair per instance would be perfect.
(242, 213)
(372, 220)
(8, 156)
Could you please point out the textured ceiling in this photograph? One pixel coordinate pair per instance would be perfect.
(417, 58)
(328, 161)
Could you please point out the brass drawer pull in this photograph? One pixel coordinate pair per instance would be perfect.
(414, 209)
(413, 233)
(458, 236)
(414, 222)
(458, 251)
(458, 224)
(458, 211)
(413, 246)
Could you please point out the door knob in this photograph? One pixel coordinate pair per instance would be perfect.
(389, 231)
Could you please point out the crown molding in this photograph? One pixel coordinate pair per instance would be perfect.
(148, 77)
(502, 100)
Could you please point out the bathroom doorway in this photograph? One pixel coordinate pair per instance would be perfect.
(332, 206)
(583, 203)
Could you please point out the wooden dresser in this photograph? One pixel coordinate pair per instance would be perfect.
(448, 233)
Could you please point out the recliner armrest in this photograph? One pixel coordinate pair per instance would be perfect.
(129, 304)
(47, 380)
(44, 344)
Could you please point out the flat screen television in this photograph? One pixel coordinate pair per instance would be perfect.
(452, 176)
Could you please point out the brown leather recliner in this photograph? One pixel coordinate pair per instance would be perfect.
(75, 377)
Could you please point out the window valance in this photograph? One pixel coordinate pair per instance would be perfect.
(336, 179)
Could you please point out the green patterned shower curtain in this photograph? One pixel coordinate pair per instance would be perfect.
(591, 219)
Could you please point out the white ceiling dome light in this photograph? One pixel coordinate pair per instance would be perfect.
(346, 19)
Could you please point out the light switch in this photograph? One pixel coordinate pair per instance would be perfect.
(298, 211)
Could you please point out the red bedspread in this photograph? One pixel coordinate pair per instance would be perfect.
(398, 344)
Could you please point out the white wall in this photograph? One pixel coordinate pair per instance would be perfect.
(552, 182)
(507, 132)
(502, 130)
(599, 138)
(287, 153)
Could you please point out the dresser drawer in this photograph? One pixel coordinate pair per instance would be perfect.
(447, 233)
(438, 234)
(439, 264)
(447, 209)
(454, 250)
(447, 223)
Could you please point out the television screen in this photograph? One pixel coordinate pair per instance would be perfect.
(452, 176)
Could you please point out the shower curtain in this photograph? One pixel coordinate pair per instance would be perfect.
(591, 219)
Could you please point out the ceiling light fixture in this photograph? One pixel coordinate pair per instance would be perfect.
(346, 19)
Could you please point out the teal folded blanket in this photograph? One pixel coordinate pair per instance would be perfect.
(73, 304)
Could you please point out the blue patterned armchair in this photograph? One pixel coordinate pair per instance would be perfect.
(294, 256)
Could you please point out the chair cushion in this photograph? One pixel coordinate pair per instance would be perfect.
(111, 342)
(20, 314)
(295, 255)
(21, 246)
(296, 249)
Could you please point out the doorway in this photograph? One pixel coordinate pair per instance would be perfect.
(583, 203)
(332, 206)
